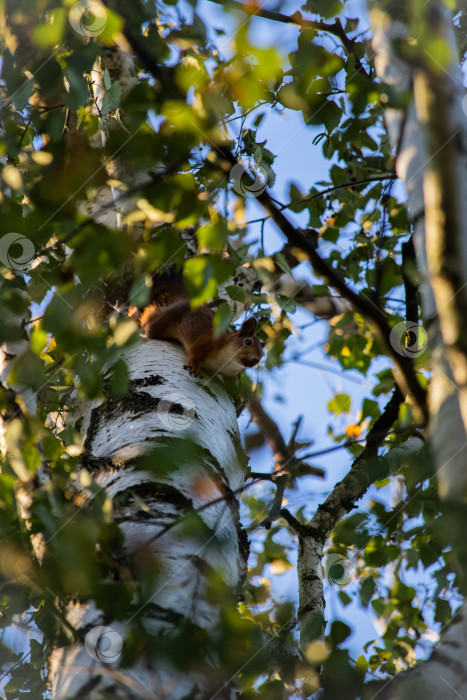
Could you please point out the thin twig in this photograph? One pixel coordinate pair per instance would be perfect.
(329, 190)
(282, 453)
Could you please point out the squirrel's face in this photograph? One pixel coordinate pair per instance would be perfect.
(250, 348)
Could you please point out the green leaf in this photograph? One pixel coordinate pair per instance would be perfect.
(344, 598)
(140, 291)
(49, 34)
(119, 379)
(203, 275)
(107, 79)
(340, 404)
(236, 293)
(22, 95)
(443, 610)
(28, 369)
(339, 632)
(370, 409)
(212, 237)
(367, 590)
(331, 115)
(325, 8)
(281, 260)
(113, 25)
(111, 99)
(222, 318)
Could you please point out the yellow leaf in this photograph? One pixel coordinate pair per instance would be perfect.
(50, 33)
(280, 566)
(73, 450)
(12, 177)
(42, 157)
(317, 652)
(123, 331)
(154, 214)
(265, 263)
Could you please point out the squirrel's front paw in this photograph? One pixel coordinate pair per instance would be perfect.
(191, 370)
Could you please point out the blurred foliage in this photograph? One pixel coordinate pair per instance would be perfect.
(190, 98)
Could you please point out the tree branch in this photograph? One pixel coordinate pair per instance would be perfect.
(352, 487)
(411, 290)
(297, 20)
(283, 456)
(340, 501)
(292, 521)
(417, 166)
(280, 484)
(407, 376)
(329, 190)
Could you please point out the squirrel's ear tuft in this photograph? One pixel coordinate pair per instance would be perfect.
(248, 328)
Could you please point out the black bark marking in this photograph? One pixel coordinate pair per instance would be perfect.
(152, 491)
(135, 403)
(152, 380)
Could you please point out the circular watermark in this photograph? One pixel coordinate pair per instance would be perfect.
(464, 105)
(16, 251)
(175, 411)
(337, 569)
(103, 644)
(405, 27)
(172, 108)
(88, 17)
(15, 565)
(241, 175)
(409, 339)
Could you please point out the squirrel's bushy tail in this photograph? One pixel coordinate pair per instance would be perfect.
(157, 321)
(168, 289)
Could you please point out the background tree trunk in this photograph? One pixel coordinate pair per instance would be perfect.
(417, 153)
(414, 156)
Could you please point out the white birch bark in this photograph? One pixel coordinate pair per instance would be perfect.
(444, 674)
(164, 401)
(108, 207)
(413, 156)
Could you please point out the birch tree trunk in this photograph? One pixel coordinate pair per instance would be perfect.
(165, 406)
(442, 676)
(168, 456)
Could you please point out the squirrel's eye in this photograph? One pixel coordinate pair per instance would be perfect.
(247, 341)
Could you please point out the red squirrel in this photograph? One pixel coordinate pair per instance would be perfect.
(170, 317)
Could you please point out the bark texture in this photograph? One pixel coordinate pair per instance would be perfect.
(443, 676)
(429, 139)
(164, 406)
(416, 155)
